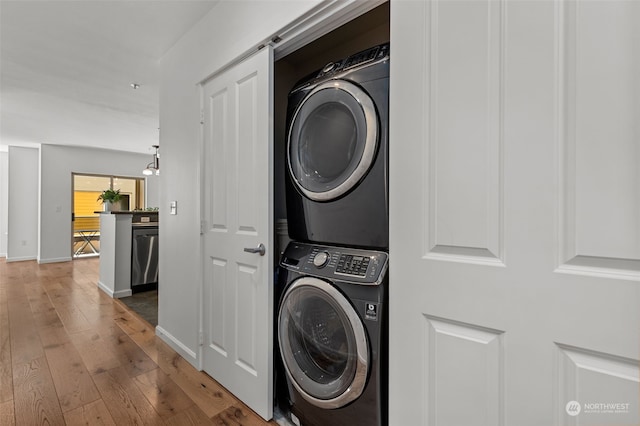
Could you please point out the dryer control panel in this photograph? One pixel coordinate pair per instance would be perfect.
(367, 267)
(337, 69)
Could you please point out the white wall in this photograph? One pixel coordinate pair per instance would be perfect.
(4, 198)
(57, 164)
(22, 241)
(228, 31)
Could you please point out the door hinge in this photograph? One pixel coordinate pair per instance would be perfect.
(201, 338)
(203, 226)
(201, 116)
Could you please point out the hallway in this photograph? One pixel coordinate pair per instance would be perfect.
(71, 355)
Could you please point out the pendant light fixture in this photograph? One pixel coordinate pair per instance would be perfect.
(154, 166)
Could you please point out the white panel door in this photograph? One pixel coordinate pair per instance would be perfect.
(515, 213)
(238, 285)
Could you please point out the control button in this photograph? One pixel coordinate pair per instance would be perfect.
(321, 259)
(353, 265)
(329, 67)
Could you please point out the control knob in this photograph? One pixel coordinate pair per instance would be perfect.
(321, 259)
(328, 68)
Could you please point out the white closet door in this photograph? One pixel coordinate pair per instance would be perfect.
(515, 213)
(238, 205)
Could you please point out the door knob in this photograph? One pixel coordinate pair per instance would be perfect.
(260, 249)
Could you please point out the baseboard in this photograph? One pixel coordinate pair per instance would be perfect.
(104, 288)
(55, 260)
(177, 346)
(122, 293)
(20, 259)
(114, 294)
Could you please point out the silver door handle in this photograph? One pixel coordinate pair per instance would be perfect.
(260, 249)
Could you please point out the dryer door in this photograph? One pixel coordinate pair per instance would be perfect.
(323, 343)
(333, 140)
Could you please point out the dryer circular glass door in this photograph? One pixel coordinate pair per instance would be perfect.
(332, 141)
(323, 343)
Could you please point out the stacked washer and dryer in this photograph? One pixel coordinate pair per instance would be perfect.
(331, 324)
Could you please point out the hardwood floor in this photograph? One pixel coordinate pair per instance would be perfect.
(71, 355)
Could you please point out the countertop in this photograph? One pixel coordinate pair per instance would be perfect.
(140, 213)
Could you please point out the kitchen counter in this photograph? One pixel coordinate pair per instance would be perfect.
(153, 216)
(115, 243)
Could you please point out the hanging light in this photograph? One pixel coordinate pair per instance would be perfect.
(154, 166)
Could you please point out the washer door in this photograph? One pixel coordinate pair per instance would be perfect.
(333, 139)
(323, 343)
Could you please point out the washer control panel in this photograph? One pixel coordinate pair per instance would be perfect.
(336, 263)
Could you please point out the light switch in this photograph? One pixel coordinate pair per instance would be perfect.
(173, 207)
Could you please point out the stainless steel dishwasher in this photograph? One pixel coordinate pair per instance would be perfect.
(144, 258)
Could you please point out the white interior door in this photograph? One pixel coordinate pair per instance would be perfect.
(515, 213)
(238, 285)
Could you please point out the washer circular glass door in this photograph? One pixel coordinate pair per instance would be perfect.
(323, 343)
(332, 140)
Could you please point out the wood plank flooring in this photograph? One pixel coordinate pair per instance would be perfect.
(71, 355)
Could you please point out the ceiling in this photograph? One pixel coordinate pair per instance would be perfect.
(66, 68)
